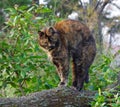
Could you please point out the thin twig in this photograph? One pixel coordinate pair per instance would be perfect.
(104, 5)
(81, 3)
(97, 4)
(115, 5)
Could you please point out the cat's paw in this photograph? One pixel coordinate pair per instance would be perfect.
(73, 88)
(62, 84)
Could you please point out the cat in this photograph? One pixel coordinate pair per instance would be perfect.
(69, 39)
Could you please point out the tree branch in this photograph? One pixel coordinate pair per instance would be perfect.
(58, 97)
(115, 5)
(97, 5)
(104, 5)
(81, 3)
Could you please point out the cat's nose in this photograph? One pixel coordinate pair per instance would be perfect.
(46, 43)
(49, 44)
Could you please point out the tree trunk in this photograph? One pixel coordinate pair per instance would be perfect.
(58, 97)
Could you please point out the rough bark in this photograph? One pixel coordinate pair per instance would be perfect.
(58, 97)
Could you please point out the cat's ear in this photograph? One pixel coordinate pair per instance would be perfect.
(51, 31)
(40, 33)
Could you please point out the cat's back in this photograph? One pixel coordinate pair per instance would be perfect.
(74, 31)
(72, 27)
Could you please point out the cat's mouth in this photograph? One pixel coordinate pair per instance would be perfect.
(51, 48)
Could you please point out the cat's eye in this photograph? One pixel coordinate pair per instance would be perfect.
(40, 33)
(52, 38)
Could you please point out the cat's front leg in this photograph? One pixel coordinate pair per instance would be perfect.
(63, 71)
(63, 74)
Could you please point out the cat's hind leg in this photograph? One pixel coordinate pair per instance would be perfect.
(80, 73)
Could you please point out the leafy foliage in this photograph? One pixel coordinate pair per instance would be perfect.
(24, 67)
(9, 3)
(103, 72)
(107, 98)
(102, 76)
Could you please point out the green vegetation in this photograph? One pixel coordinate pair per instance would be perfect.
(25, 68)
(103, 76)
(10, 3)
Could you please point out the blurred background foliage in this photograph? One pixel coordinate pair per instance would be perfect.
(25, 68)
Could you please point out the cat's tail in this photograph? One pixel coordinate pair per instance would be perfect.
(87, 77)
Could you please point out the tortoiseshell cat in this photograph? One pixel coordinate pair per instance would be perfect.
(69, 38)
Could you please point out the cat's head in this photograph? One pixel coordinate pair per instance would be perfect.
(49, 38)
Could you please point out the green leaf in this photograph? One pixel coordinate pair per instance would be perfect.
(45, 10)
(105, 68)
(30, 9)
(13, 84)
(47, 86)
(22, 7)
(15, 20)
(23, 74)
